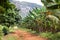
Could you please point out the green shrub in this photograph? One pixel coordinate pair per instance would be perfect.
(1, 32)
(4, 29)
(51, 36)
(56, 36)
(46, 34)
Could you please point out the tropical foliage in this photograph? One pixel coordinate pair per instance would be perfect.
(9, 15)
(41, 21)
(44, 20)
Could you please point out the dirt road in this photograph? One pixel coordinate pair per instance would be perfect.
(23, 35)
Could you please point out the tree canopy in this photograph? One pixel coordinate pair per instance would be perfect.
(8, 13)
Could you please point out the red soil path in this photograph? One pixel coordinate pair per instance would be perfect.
(25, 35)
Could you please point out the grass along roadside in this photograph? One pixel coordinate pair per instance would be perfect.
(51, 36)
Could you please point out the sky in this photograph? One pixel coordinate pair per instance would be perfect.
(32, 1)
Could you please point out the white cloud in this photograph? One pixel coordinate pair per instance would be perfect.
(32, 1)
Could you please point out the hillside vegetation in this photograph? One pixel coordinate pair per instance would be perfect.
(44, 21)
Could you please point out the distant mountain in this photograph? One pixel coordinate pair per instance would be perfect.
(25, 7)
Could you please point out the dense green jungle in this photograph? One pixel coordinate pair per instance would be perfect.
(44, 21)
